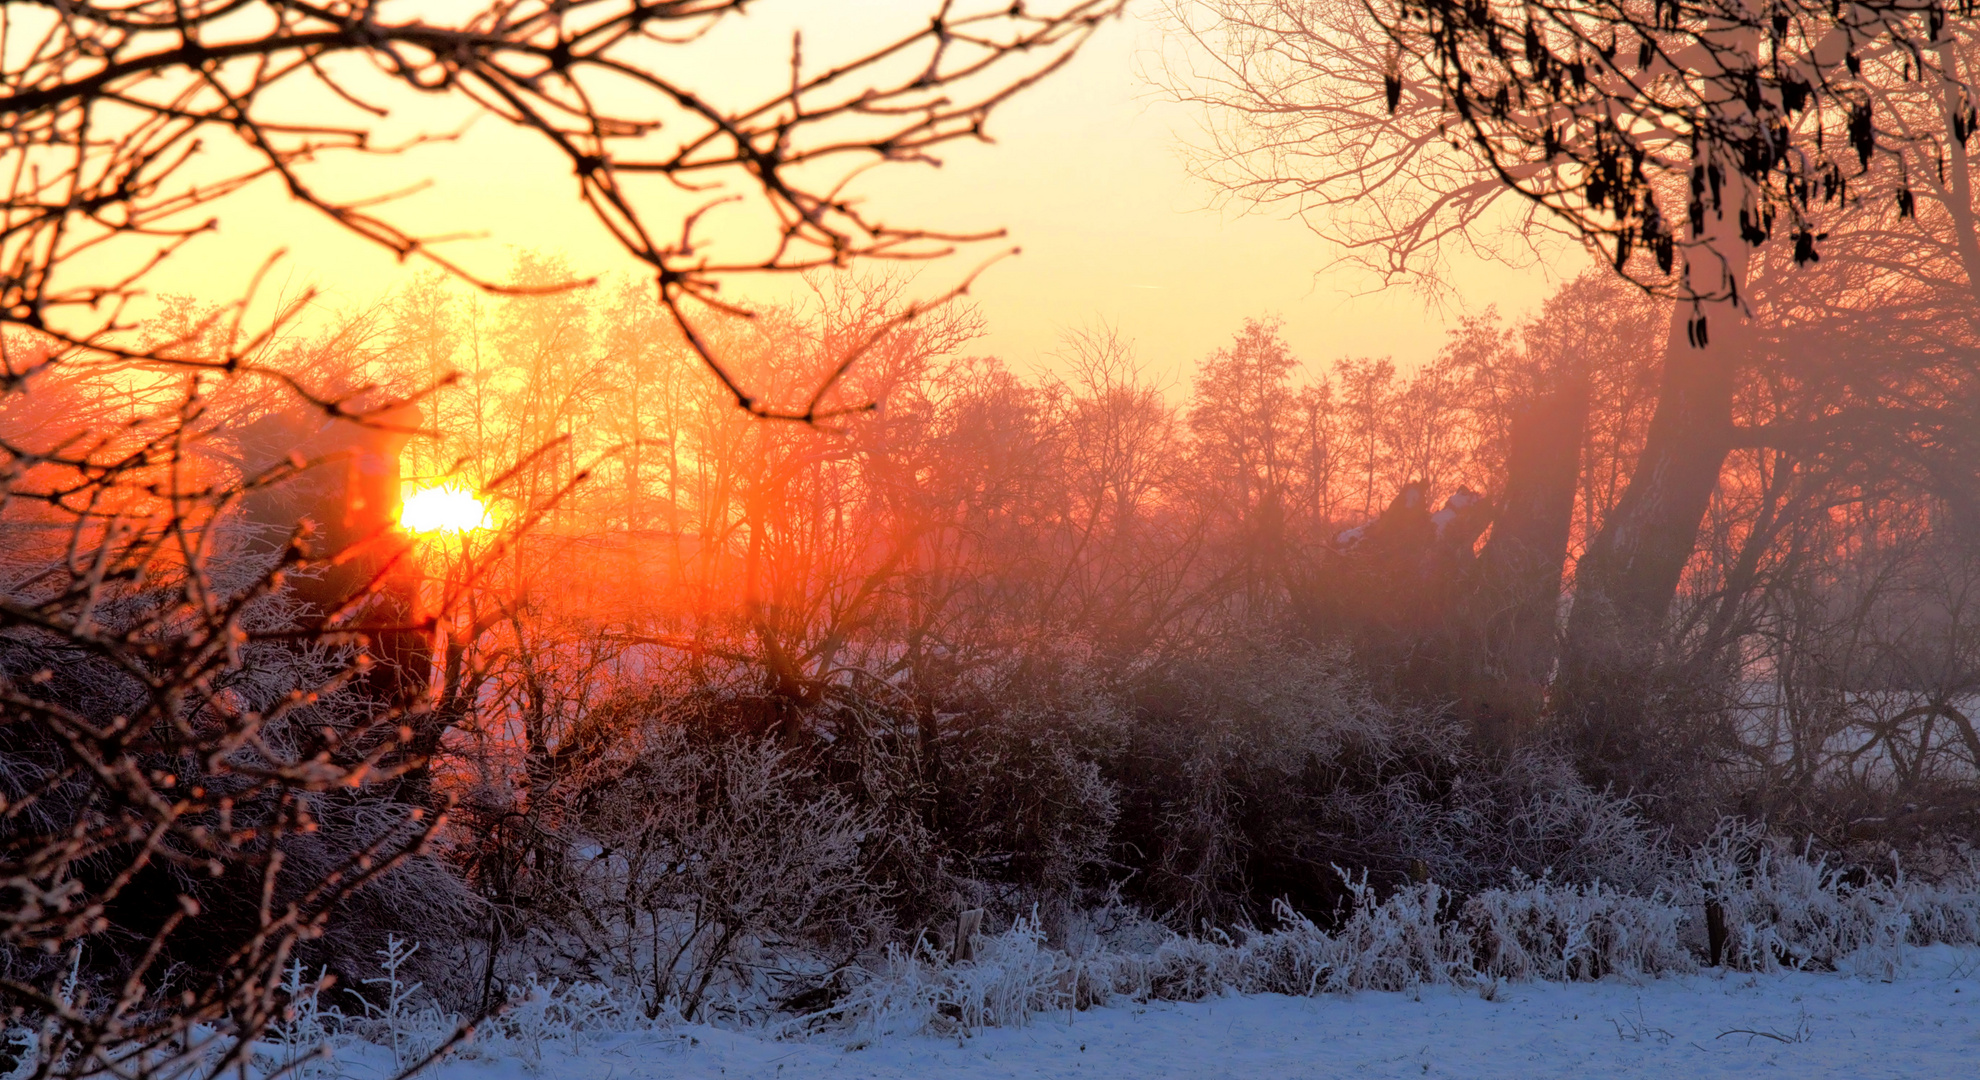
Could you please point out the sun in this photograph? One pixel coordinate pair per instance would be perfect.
(443, 509)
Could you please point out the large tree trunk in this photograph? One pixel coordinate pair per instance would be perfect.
(1512, 603)
(1626, 580)
(1482, 631)
(1961, 481)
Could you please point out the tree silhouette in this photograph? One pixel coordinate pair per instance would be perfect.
(1693, 147)
(119, 114)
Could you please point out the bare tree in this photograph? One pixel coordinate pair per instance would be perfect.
(1299, 119)
(1694, 147)
(213, 739)
(116, 114)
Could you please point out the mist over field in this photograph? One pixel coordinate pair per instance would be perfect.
(1262, 537)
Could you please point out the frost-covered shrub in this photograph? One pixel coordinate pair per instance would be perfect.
(1245, 776)
(1023, 796)
(422, 898)
(398, 1024)
(1571, 932)
(1416, 936)
(702, 856)
(1016, 975)
(1410, 939)
(298, 1044)
(1544, 821)
(1788, 910)
(1250, 773)
(1205, 790)
(210, 785)
(1394, 944)
(1947, 910)
(1782, 910)
(545, 1012)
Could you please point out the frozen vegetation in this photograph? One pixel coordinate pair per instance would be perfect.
(1820, 972)
(1920, 1024)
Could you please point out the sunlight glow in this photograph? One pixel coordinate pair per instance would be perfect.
(444, 509)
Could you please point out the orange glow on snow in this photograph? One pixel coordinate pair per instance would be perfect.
(444, 509)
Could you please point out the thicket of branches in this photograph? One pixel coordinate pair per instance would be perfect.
(1798, 178)
(1039, 636)
(216, 649)
(718, 706)
(713, 688)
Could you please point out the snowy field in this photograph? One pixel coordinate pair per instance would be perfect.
(1923, 1024)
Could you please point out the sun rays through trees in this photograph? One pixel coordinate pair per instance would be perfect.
(528, 632)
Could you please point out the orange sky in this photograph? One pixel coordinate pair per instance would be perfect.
(1088, 175)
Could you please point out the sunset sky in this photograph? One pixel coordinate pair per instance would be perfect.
(1089, 175)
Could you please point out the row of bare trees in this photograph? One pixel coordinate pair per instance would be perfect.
(1797, 179)
(1766, 512)
(980, 513)
(976, 507)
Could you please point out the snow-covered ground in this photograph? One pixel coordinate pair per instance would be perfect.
(1923, 1024)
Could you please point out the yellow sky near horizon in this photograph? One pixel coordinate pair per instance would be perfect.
(1087, 174)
